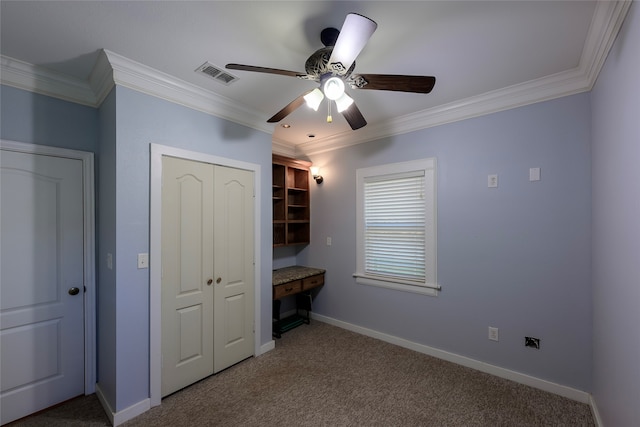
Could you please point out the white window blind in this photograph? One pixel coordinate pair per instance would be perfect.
(394, 234)
(396, 226)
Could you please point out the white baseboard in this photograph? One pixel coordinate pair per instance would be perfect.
(117, 418)
(104, 403)
(131, 412)
(561, 390)
(594, 412)
(266, 347)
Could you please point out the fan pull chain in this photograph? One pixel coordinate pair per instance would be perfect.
(329, 118)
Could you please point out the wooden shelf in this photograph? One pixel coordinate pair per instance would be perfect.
(291, 205)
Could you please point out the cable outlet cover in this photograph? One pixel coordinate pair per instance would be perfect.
(532, 342)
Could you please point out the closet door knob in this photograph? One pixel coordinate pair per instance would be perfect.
(218, 280)
(209, 282)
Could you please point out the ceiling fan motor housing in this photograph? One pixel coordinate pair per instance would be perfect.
(317, 64)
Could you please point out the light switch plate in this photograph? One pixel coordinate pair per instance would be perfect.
(534, 174)
(143, 260)
(493, 333)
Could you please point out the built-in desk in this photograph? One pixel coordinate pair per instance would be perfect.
(299, 281)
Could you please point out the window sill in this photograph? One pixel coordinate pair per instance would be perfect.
(431, 290)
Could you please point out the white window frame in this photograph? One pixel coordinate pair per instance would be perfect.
(428, 167)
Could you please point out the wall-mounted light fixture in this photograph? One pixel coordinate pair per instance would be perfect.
(315, 172)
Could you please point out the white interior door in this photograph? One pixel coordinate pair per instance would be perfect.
(187, 273)
(41, 260)
(234, 257)
(207, 270)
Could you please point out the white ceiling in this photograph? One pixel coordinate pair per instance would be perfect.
(486, 55)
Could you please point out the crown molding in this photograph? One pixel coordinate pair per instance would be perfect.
(605, 25)
(142, 78)
(543, 89)
(283, 148)
(113, 69)
(22, 75)
(101, 78)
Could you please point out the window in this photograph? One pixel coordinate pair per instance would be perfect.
(396, 226)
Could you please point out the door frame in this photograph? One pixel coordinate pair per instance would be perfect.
(89, 259)
(155, 253)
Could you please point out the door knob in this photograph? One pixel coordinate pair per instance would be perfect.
(218, 280)
(74, 291)
(209, 282)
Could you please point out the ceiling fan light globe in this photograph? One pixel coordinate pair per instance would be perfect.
(343, 102)
(314, 98)
(333, 88)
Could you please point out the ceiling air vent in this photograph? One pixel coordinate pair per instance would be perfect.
(216, 73)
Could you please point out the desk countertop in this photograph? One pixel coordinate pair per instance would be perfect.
(295, 272)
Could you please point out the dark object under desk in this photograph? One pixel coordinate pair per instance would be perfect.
(299, 281)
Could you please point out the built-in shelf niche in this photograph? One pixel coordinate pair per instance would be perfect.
(291, 207)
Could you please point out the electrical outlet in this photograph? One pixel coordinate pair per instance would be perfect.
(492, 181)
(493, 333)
(532, 342)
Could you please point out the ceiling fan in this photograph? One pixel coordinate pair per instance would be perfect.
(332, 66)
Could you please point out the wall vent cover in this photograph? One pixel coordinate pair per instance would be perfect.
(216, 73)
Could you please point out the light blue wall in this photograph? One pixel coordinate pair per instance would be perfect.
(284, 256)
(616, 230)
(119, 132)
(37, 119)
(106, 244)
(141, 120)
(516, 257)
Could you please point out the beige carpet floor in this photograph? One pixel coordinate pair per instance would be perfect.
(321, 375)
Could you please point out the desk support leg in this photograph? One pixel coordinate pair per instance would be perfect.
(276, 331)
(303, 302)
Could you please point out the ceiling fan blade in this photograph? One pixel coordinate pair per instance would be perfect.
(265, 70)
(400, 83)
(354, 35)
(290, 108)
(354, 117)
